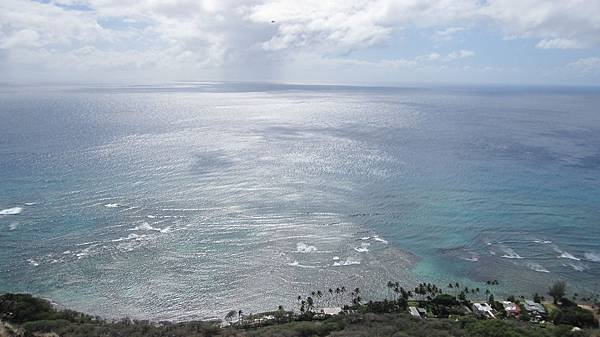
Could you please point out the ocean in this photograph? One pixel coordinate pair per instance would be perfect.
(186, 200)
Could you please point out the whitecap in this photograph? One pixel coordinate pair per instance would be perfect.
(297, 264)
(30, 203)
(301, 247)
(364, 238)
(13, 226)
(348, 262)
(336, 258)
(471, 259)
(577, 266)
(115, 205)
(147, 227)
(130, 237)
(537, 267)
(363, 248)
(593, 257)
(566, 255)
(11, 211)
(377, 238)
(151, 216)
(84, 252)
(33, 262)
(510, 253)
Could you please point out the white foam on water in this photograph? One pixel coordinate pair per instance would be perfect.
(147, 227)
(364, 238)
(135, 237)
(183, 209)
(470, 259)
(377, 238)
(13, 226)
(115, 205)
(11, 211)
(577, 266)
(30, 203)
(510, 253)
(336, 258)
(297, 264)
(593, 257)
(83, 253)
(363, 248)
(33, 262)
(348, 262)
(566, 255)
(536, 267)
(301, 247)
(151, 216)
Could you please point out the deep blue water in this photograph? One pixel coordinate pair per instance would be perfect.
(187, 200)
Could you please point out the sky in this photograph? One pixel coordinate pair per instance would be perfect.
(555, 42)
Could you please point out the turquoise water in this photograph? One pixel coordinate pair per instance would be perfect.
(188, 200)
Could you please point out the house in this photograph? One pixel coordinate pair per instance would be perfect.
(330, 311)
(414, 312)
(535, 309)
(511, 309)
(483, 310)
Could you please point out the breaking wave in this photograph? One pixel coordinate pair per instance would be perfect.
(593, 257)
(537, 267)
(11, 211)
(301, 247)
(510, 253)
(348, 262)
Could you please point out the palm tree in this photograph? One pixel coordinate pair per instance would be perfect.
(310, 303)
(558, 290)
(240, 316)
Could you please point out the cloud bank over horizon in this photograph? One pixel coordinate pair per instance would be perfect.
(352, 41)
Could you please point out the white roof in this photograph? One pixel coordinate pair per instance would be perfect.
(331, 311)
(482, 306)
(414, 312)
(509, 305)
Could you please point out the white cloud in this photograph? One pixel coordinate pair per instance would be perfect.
(459, 54)
(557, 23)
(209, 34)
(586, 66)
(559, 43)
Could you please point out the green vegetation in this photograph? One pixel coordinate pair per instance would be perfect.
(449, 314)
(557, 291)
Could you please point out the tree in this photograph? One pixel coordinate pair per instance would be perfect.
(558, 290)
(230, 315)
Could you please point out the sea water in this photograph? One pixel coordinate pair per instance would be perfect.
(187, 200)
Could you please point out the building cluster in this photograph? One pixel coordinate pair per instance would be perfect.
(536, 311)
